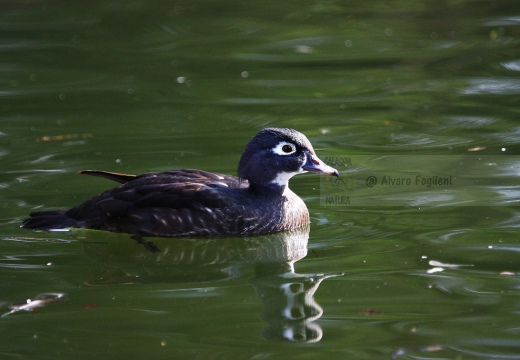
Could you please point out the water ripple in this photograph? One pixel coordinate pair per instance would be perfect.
(499, 86)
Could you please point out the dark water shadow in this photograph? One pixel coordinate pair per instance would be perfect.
(289, 308)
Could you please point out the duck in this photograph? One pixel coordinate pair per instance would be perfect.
(193, 202)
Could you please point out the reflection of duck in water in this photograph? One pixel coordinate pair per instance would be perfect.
(287, 298)
(195, 202)
(289, 306)
(194, 259)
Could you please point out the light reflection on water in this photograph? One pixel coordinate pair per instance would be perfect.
(505, 86)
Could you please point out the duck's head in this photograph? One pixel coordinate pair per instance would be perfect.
(274, 155)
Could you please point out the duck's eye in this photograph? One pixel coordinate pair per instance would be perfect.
(284, 148)
(287, 149)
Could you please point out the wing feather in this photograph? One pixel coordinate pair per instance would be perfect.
(170, 203)
(119, 177)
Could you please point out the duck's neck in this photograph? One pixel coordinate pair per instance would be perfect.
(268, 190)
(284, 209)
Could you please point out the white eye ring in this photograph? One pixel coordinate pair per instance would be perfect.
(284, 148)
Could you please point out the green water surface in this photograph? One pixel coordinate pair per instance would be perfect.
(381, 88)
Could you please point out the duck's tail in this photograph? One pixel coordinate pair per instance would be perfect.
(49, 220)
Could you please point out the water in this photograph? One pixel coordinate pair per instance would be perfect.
(392, 88)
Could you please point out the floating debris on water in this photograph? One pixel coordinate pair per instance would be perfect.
(32, 304)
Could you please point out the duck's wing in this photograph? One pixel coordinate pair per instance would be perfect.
(187, 175)
(164, 204)
(119, 177)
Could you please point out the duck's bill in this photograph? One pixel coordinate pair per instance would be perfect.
(316, 165)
